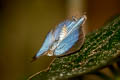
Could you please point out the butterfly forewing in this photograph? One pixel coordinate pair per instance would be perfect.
(46, 45)
(58, 29)
(73, 41)
(67, 43)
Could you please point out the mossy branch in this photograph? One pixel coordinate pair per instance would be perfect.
(100, 49)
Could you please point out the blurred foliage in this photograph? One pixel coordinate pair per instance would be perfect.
(101, 48)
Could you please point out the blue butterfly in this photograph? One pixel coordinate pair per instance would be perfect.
(66, 38)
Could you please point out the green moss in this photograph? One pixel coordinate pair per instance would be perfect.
(100, 49)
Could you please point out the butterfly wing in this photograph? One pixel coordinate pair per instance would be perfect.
(70, 44)
(51, 38)
(47, 43)
(73, 41)
(58, 29)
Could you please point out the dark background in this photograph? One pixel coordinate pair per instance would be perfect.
(25, 23)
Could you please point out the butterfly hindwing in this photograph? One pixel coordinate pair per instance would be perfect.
(52, 37)
(46, 45)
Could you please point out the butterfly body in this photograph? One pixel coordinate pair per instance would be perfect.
(65, 39)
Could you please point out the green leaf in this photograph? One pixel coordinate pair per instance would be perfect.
(101, 48)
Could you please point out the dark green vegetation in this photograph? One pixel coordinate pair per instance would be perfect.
(101, 48)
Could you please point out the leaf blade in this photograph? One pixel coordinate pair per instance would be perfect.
(100, 49)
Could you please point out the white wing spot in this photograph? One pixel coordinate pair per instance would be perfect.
(63, 33)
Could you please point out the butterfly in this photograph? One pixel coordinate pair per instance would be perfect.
(65, 39)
